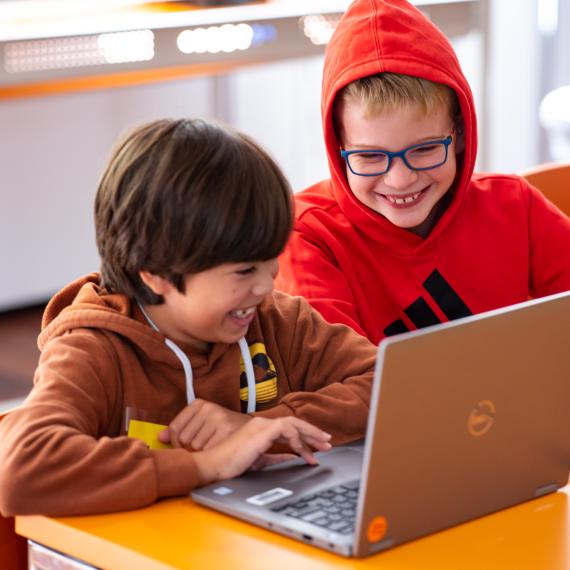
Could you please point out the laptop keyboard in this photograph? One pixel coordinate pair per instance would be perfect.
(333, 508)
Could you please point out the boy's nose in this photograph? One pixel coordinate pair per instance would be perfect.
(399, 176)
(265, 284)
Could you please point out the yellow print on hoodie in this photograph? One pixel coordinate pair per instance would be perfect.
(265, 375)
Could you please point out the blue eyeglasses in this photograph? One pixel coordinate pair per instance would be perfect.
(423, 156)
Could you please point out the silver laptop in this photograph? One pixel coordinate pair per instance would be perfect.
(466, 418)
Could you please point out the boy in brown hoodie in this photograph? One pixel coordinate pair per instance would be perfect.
(178, 365)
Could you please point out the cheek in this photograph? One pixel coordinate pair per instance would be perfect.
(352, 180)
(235, 294)
(445, 175)
(359, 184)
(449, 174)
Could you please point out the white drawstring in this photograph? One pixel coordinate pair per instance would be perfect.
(251, 387)
(190, 395)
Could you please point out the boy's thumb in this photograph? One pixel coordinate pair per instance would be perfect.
(164, 436)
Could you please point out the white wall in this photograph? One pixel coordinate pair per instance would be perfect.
(512, 85)
(279, 105)
(52, 152)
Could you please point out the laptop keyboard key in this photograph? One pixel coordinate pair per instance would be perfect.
(305, 511)
(312, 517)
(333, 508)
(339, 526)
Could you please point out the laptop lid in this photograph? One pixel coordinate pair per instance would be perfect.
(467, 418)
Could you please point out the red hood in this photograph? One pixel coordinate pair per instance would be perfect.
(391, 35)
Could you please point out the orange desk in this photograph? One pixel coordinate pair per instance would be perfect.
(179, 534)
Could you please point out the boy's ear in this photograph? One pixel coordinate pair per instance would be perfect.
(157, 284)
(459, 138)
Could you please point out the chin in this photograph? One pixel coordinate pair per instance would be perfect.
(234, 337)
(408, 224)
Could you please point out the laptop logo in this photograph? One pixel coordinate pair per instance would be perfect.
(421, 315)
(481, 418)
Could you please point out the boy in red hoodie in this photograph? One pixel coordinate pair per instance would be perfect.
(177, 366)
(404, 234)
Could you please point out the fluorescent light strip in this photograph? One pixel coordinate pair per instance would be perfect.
(319, 27)
(226, 38)
(81, 51)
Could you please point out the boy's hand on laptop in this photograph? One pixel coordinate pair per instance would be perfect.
(201, 425)
(246, 448)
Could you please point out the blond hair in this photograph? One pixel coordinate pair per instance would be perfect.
(389, 92)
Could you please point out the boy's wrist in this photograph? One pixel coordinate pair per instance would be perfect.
(177, 471)
(278, 411)
(205, 467)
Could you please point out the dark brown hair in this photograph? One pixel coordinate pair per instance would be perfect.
(182, 196)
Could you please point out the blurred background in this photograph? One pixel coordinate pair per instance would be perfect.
(75, 74)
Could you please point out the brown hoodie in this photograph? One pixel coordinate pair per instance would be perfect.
(65, 451)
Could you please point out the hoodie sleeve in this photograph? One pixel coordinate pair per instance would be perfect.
(330, 370)
(549, 231)
(307, 268)
(56, 456)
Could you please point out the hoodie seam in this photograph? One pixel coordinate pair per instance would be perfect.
(109, 348)
(377, 46)
(101, 320)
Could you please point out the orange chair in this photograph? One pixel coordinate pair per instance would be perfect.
(13, 548)
(553, 180)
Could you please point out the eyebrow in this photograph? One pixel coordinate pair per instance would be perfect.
(348, 146)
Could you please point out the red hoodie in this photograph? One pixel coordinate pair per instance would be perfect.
(499, 242)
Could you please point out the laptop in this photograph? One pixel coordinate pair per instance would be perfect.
(466, 418)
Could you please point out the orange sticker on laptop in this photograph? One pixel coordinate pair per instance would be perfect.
(377, 529)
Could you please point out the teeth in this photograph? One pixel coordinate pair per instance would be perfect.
(243, 313)
(407, 200)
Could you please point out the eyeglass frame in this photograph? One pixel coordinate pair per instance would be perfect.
(401, 154)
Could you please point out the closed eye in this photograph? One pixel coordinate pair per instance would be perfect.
(372, 156)
(425, 149)
(247, 270)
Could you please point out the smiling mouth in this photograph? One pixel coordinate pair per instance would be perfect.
(243, 313)
(405, 200)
